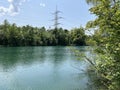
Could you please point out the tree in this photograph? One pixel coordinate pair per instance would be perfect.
(12, 35)
(108, 40)
(78, 36)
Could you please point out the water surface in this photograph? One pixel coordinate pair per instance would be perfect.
(41, 68)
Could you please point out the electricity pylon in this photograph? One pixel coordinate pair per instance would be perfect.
(56, 18)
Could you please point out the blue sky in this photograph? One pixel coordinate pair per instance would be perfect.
(39, 12)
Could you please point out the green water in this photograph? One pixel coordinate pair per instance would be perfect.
(41, 68)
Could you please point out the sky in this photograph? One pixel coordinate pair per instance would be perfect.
(39, 13)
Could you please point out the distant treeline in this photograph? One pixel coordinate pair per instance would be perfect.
(13, 35)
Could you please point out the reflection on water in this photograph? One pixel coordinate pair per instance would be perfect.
(41, 68)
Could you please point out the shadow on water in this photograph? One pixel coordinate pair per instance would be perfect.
(10, 57)
(57, 55)
(48, 68)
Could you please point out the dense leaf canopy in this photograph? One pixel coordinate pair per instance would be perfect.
(107, 37)
(12, 35)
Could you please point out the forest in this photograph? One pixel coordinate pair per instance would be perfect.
(12, 35)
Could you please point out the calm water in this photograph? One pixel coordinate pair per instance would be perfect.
(41, 68)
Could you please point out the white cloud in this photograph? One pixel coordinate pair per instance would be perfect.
(42, 4)
(10, 0)
(13, 9)
(3, 10)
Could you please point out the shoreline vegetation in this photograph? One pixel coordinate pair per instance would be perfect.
(13, 35)
(107, 39)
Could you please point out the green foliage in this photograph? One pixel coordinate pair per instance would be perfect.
(12, 35)
(107, 38)
(78, 36)
(90, 40)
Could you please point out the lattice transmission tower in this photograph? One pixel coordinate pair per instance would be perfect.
(56, 18)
